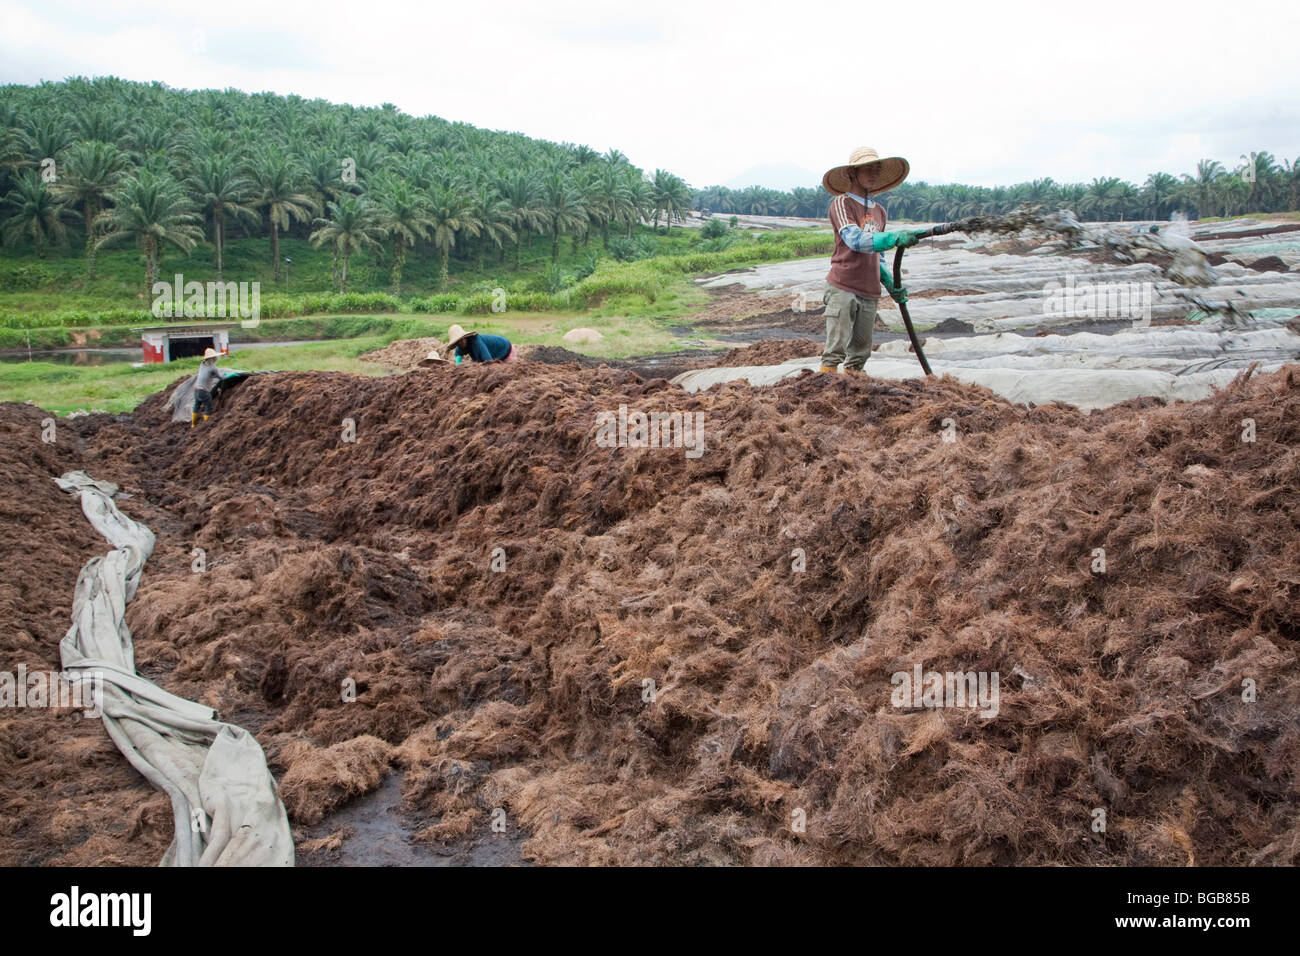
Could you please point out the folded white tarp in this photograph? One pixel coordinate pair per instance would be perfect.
(224, 800)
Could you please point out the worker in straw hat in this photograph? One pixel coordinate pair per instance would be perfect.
(208, 376)
(479, 346)
(857, 274)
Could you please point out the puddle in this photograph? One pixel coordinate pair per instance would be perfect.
(381, 835)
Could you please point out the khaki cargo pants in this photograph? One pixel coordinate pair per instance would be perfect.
(850, 320)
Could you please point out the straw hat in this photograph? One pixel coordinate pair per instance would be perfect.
(432, 358)
(886, 173)
(455, 334)
(210, 353)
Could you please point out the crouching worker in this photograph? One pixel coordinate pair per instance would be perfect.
(479, 346)
(204, 382)
(853, 285)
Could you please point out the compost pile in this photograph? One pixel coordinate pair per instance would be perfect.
(405, 354)
(645, 657)
(770, 352)
(67, 796)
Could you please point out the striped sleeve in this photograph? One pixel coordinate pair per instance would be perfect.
(839, 214)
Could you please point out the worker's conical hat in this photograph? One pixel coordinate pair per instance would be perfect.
(454, 335)
(210, 353)
(886, 173)
(433, 358)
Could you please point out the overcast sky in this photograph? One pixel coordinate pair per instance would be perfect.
(985, 93)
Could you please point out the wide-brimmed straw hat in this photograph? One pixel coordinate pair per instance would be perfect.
(455, 334)
(887, 173)
(433, 358)
(210, 353)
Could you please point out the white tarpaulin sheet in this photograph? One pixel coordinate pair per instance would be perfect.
(1087, 388)
(224, 801)
(1083, 369)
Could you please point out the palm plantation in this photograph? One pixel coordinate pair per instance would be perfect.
(160, 167)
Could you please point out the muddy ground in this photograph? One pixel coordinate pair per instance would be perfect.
(628, 655)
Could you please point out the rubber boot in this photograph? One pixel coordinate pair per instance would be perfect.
(194, 417)
(827, 368)
(206, 417)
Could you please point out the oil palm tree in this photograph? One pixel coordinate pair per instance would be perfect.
(92, 169)
(220, 189)
(1099, 200)
(1259, 172)
(104, 125)
(14, 147)
(672, 197)
(1290, 178)
(1159, 190)
(323, 176)
(520, 194)
(642, 194)
(402, 213)
(349, 227)
(152, 209)
(563, 208)
(276, 188)
(452, 216)
(614, 196)
(1202, 184)
(37, 212)
(494, 217)
(49, 135)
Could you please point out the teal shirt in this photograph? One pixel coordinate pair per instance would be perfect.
(482, 347)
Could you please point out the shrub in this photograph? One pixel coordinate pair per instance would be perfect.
(364, 302)
(554, 279)
(622, 248)
(21, 277)
(714, 229)
(480, 303)
(440, 303)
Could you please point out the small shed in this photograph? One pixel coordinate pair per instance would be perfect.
(164, 343)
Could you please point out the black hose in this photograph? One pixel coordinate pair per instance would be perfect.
(902, 306)
(940, 230)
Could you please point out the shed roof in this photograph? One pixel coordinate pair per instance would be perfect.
(187, 329)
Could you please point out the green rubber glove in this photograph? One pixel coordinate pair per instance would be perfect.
(898, 294)
(901, 239)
